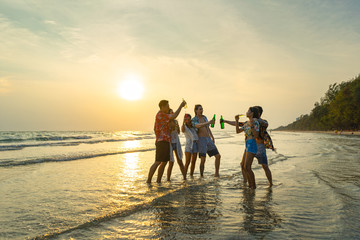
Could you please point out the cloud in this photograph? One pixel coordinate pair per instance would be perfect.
(14, 38)
(4, 86)
(225, 53)
(50, 22)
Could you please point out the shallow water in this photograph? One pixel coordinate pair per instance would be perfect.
(91, 185)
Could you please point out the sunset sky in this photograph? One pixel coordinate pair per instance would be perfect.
(62, 62)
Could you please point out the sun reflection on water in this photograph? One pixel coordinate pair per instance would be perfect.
(131, 164)
(130, 145)
(131, 160)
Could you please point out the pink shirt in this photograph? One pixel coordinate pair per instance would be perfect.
(162, 129)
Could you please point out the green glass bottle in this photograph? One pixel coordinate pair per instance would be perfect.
(222, 125)
(212, 125)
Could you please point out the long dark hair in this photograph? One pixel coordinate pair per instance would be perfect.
(196, 107)
(260, 110)
(255, 112)
(188, 115)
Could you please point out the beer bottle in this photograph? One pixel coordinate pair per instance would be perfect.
(185, 104)
(222, 122)
(212, 125)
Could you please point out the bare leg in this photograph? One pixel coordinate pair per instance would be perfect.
(193, 163)
(202, 166)
(181, 165)
(250, 174)
(268, 174)
(243, 171)
(152, 170)
(161, 171)
(169, 170)
(187, 161)
(217, 165)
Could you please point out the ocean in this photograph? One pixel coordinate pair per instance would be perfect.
(92, 185)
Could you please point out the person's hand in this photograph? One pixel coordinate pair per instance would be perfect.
(237, 117)
(212, 121)
(183, 103)
(222, 120)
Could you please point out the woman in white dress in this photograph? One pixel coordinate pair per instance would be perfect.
(191, 147)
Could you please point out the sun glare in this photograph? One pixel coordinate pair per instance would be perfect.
(131, 88)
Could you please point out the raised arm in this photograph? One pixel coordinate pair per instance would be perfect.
(175, 114)
(200, 125)
(177, 127)
(237, 125)
(232, 123)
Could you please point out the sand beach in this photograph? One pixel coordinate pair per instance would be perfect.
(92, 185)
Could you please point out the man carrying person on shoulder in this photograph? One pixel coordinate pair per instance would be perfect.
(261, 146)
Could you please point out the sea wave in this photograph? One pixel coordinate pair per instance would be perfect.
(18, 136)
(14, 147)
(43, 138)
(14, 163)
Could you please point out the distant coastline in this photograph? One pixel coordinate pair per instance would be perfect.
(357, 132)
(337, 112)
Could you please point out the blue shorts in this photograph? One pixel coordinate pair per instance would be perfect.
(251, 146)
(261, 154)
(195, 148)
(206, 145)
(173, 145)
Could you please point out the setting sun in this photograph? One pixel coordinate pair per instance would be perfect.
(131, 88)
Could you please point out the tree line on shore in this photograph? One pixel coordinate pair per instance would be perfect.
(339, 109)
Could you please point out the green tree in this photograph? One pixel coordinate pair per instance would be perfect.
(338, 109)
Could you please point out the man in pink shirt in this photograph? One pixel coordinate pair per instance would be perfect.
(163, 138)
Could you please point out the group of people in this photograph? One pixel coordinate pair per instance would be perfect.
(200, 141)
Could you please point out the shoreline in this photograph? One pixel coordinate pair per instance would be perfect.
(357, 133)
